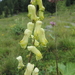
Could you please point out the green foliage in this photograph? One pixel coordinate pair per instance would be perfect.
(68, 69)
(6, 11)
(66, 44)
(9, 66)
(69, 2)
(18, 28)
(50, 7)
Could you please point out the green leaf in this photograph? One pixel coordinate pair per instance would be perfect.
(68, 69)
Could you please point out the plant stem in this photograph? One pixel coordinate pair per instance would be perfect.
(30, 57)
(56, 55)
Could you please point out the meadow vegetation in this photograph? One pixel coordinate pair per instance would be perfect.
(11, 32)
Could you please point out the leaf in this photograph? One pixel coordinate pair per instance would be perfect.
(68, 69)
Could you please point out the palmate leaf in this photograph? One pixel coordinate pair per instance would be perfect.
(68, 69)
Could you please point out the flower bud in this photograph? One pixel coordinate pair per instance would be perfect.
(41, 15)
(32, 12)
(40, 4)
(35, 51)
(35, 72)
(20, 65)
(29, 69)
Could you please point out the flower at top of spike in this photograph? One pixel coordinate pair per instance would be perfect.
(32, 12)
(35, 51)
(29, 69)
(35, 72)
(20, 65)
(40, 4)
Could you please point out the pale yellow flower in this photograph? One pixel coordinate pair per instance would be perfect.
(32, 12)
(41, 15)
(27, 32)
(29, 69)
(30, 26)
(24, 41)
(40, 4)
(42, 37)
(37, 27)
(35, 51)
(35, 72)
(20, 65)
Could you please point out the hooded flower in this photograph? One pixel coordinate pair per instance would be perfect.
(42, 37)
(24, 41)
(35, 51)
(40, 4)
(30, 26)
(20, 65)
(41, 15)
(32, 12)
(29, 69)
(35, 72)
(37, 27)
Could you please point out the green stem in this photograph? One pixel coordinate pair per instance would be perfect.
(56, 51)
(30, 57)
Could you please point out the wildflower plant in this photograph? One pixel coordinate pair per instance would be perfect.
(36, 33)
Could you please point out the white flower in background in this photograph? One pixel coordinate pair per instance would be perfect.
(32, 12)
(24, 41)
(35, 72)
(41, 15)
(35, 51)
(37, 28)
(29, 69)
(42, 37)
(30, 26)
(20, 65)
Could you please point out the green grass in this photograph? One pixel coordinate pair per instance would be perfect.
(11, 32)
